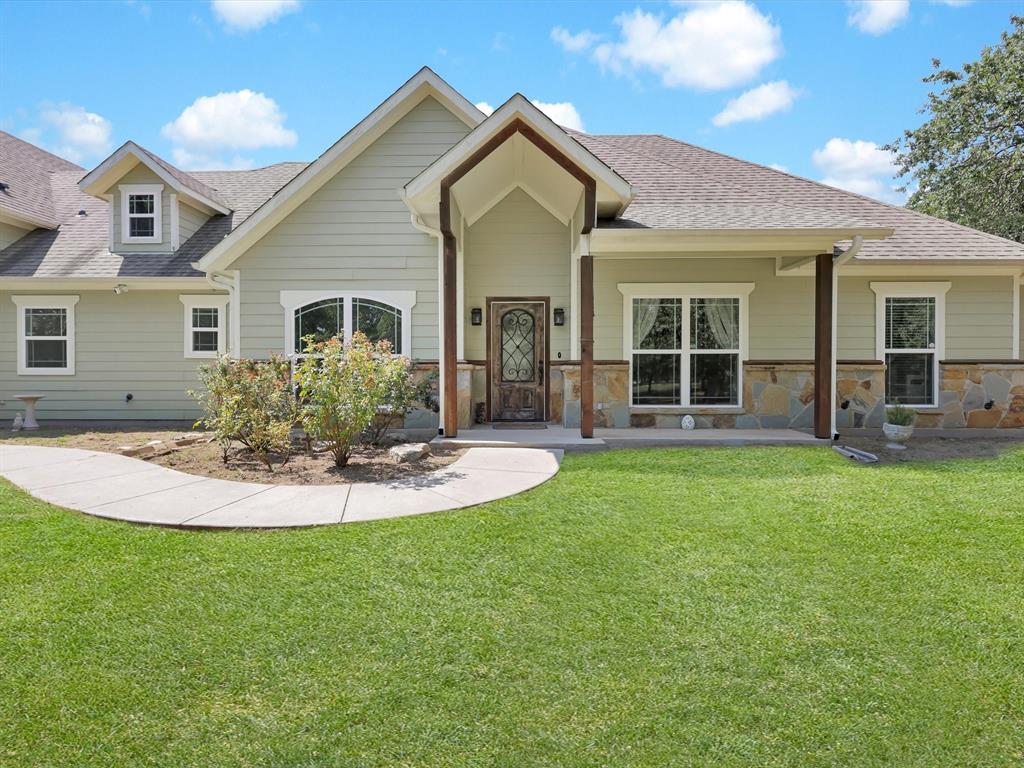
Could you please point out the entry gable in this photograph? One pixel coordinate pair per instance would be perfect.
(424, 84)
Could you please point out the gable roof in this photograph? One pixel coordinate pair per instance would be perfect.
(613, 191)
(100, 178)
(424, 83)
(77, 248)
(27, 171)
(677, 183)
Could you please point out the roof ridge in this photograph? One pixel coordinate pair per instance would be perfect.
(846, 192)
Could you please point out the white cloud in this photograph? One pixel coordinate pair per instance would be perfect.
(858, 166)
(562, 112)
(247, 15)
(581, 41)
(779, 167)
(758, 103)
(236, 120)
(876, 17)
(708, 46)
(953, 3)
(70, 131)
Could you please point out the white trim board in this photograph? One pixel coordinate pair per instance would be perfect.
(401, 300)
(685, 292)
(157, 191)
(46, 302)
(205, 301)
(914, 290)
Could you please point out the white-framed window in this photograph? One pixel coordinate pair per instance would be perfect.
(381, 315)
(141, 213)
(46, 335)
(910, 322)
(205, 325)
(685, 343)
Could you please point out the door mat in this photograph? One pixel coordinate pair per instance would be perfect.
(520, 425)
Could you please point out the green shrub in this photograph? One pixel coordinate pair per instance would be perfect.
(900, 415)
(399, 393)
(250, 401)
(343, 388)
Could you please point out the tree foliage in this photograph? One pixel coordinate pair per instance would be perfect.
(967, 159)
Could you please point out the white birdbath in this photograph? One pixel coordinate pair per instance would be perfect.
(30, 410)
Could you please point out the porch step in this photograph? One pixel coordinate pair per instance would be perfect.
(486, 436)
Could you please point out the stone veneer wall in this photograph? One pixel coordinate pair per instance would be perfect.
(966, 388)
(776, 396)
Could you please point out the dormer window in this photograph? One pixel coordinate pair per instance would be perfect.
(141, 213)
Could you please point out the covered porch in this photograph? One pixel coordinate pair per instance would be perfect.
(536, 319)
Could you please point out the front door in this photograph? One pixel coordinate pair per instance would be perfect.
(517, 357)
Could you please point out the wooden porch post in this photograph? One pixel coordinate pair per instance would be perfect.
(823, 342)
(586, 345)
(449, 310)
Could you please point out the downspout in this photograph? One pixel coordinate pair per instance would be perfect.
(230, 282)
(837, 261)
(423, 227)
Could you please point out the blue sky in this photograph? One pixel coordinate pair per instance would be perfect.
(815, 87)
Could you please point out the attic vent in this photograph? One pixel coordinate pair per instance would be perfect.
(4, 186)
(82, 212)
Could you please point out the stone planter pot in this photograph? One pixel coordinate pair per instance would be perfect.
(898, 435)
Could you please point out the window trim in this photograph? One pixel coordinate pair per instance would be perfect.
(207, 301)
(685, 292)
(142, 189)
(918, 290)
(403, 301)
(64, 302)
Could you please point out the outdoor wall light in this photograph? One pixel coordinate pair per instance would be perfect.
(476, 316)
(559, 316)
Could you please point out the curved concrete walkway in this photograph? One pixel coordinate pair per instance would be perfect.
(122, 488)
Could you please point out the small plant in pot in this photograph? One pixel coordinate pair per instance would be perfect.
(898, 426)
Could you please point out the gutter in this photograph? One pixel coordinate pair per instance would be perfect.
(232, 283)
(418, 223)
(837, 261)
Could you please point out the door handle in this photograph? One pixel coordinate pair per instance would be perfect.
(540, 368)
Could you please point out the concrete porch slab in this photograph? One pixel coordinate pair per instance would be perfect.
(554, 436)
(650, 438)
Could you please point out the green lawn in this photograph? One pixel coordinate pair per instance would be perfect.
(749, 607)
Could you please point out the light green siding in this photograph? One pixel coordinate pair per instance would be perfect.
(781, 308)
(10, 233)
(352, 233)
(129, 343)
(140, 174)
(978, 309)
(189, 220)
(516, 249)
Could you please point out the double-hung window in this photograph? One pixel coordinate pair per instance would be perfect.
(380, 315)
(685, 343)
(205, 325)
(910, 318)
(46, 335)
(141, 213)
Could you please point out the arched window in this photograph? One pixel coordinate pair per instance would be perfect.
(381, 315)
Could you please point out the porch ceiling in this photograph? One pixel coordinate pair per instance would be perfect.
(517, 163)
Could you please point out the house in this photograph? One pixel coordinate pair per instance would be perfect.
(550, 275)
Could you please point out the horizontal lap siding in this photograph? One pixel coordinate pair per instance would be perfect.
(354, 233)
(129, 343)
(189, 221)
(979, 310)
(978, 318)
(10, 233)
(516, 249)
(781, 309)
(140, 174)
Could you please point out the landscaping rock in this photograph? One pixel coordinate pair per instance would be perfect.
(402, 454)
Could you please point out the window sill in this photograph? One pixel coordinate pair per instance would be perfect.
(683, 410)
(46, 371)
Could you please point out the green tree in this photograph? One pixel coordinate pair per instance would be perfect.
(967, 159)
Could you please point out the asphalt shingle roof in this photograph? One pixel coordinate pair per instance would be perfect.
(28, 170)
(78, 247)
(679, 185)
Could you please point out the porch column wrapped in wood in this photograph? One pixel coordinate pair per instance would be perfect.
(587, 345)
(823, 341)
